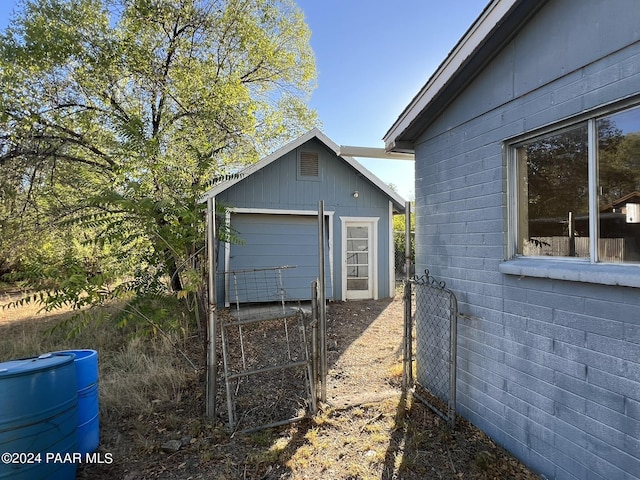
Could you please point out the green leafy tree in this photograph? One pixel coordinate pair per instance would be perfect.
(619, 166)
(557, 175)
(117, 115)
(399, 240)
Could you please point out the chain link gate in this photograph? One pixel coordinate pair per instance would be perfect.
(430, 344)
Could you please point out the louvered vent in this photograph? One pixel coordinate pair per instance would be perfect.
(309, 164)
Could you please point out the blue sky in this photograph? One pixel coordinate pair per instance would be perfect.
(372, 57)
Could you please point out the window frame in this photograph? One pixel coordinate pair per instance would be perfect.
(591, 269)
(513, 193)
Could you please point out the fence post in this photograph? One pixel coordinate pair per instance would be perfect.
(407, 354)
(212, 356)
(314, 343)
(407, 240)
(407, 369)
(322, 320)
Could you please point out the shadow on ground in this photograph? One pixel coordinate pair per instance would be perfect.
(390, 437)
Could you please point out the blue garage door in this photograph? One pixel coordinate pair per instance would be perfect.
(272, 241)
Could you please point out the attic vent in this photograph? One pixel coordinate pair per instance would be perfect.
(309, 164)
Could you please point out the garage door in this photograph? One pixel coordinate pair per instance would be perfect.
(270, 241)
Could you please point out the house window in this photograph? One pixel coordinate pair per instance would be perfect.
(576, 191)
(308, 166)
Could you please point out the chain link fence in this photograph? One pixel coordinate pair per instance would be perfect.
(431, 314)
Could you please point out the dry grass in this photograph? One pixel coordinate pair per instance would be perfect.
(149, 394)
(135, 374)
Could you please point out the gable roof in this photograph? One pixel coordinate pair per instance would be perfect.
(498, 23)
(313, 133)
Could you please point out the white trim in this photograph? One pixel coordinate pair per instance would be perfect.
(331, 255)
(618, 274)
(372, 223)
(227, 262)
(222, 186)
(512, 201)
(511, 145)
(371, 152)
(276, 211)
(313, 133)
(491, 17)
(375, 180)
(594, 207)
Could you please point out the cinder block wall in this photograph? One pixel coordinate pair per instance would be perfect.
(550, 369)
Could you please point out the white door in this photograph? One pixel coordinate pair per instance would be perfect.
(359, 256)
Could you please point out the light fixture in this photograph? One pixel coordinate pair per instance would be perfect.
(355, 194)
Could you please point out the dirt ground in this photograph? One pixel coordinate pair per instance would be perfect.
(368, 428)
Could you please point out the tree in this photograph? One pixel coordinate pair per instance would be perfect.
(399, 239)
(116, 115)
(557, 175)
(619, 166)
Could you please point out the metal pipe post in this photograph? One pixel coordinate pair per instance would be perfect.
(322, 314)
(407, 240)
(314, 345)
(407, 378)
(212, 355)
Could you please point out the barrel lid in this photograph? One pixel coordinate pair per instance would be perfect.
(29, 365)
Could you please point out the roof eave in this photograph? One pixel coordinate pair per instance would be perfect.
(292, 145)
(396, 199)
(487, 36)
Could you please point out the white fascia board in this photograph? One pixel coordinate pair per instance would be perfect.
(313, 133)
(371, 152)
(472, 39)
(359, 167)
(278, 211)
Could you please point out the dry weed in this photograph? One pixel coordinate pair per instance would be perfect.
(150, 394)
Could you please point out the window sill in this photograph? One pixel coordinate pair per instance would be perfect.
(627, 275)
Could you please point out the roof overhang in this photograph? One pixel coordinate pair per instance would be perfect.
(499, 22)
(397, 200)
(372, 152)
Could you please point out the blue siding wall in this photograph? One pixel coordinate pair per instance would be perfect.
(550, 369)
(278, 187)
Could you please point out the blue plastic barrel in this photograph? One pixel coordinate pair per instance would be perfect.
(86, 362)
(38, 418)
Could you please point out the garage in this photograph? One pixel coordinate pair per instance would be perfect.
(269, 241)
(272, 206)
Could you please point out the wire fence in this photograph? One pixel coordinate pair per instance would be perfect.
(266, 371)
(255, 286)
(265, 350)
(431, 314)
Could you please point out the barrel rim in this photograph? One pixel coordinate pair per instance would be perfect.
(23, 369)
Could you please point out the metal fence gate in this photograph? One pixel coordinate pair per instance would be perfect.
(271, 378)
(430, 343)
(265, 352)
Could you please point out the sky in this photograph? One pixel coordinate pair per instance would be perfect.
(372, 58)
